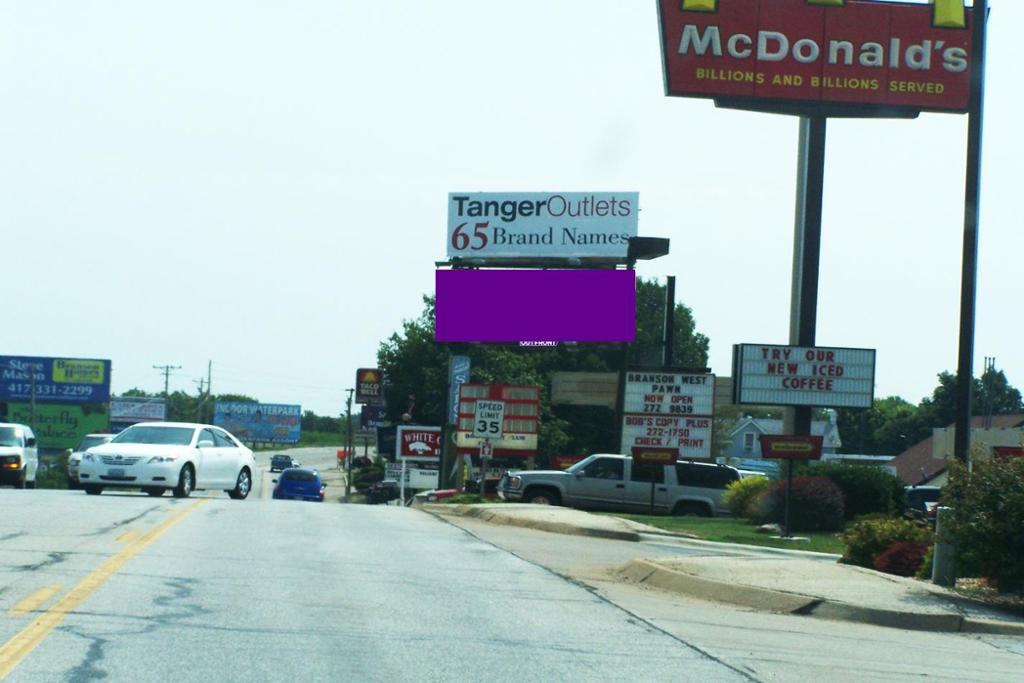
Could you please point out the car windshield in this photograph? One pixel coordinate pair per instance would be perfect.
(162, 436)
(90, 441)
(10, 436)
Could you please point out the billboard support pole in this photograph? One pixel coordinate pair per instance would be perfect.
(972, 218)
(670, 322)
(806, 251)
(348, 458)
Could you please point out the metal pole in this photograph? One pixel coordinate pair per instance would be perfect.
(803, 310)
(32, 403)
(972, 218)
(348, 456)
(789, 490)
(670, 322)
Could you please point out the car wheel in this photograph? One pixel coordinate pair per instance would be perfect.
(541, 497)
(30, 484)
(20, 484)
(242, 486)
(93, 489)
(186, 482)
(696, 509)
(155, 491)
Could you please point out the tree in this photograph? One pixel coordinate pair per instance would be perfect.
(416, 370)
(990, 394)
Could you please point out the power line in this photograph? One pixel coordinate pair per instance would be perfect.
(167, 369)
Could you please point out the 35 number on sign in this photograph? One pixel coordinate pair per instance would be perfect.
(461, 240)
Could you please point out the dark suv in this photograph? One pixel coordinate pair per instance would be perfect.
(280, 462)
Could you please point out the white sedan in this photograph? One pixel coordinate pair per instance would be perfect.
(180, 456)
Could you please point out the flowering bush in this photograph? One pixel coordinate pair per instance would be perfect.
(869, 538)
(741, 493)
(902, 558)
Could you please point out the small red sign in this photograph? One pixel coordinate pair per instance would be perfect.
(859, 52)
(564, 462)
(791, 447)
(654, 456)
(419, 443)
(1007, 452)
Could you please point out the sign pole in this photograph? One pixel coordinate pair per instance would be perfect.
(789, 494)
(401, 485)
(806, 251)
(972, 217)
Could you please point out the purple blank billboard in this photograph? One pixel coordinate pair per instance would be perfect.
(536, 305)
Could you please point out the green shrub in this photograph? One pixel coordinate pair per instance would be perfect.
(740, 495)
(986, 523)
(867, 489)
(925, 570)
(364, 477)
(867, 539)
(816, 504)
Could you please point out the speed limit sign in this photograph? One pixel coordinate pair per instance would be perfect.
(488, 422)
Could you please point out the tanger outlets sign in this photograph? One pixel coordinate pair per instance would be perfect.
(879, 54)
(764, 374)
(541, 224)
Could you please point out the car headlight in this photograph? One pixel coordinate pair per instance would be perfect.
(163, 458)
(515, 482)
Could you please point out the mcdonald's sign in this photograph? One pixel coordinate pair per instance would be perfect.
(845, 54)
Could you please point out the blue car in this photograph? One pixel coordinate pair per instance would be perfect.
(299, 483)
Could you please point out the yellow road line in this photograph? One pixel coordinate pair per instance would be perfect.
(18, 647)
(128, 536)
(33, 601)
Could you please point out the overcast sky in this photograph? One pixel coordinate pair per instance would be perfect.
(263, 184)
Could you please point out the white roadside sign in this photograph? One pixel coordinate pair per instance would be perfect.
(541, 224)
(827, 377)
(489, 420)
(690, 435)
(669, 393)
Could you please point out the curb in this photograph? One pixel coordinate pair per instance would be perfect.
(652, 574)
(498, 517)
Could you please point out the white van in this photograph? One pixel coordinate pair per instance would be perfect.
(19, 458)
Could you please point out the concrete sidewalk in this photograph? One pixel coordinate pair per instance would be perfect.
(766, 579)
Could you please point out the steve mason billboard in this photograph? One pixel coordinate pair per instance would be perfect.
(881, 55)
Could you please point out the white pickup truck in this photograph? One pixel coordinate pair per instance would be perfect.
(610, 482)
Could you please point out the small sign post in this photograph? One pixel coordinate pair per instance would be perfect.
(790, 448)
(655, 457)
(488, 423)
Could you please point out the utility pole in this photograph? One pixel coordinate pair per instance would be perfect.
(348, 459)
(32, 403)
(204, 396)
(167, 369)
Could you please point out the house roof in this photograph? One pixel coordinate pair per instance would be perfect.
(916, 464)
(774, 427)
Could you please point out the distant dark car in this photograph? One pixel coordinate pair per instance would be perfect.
(279, 462)
(299, 483)
(922, 501)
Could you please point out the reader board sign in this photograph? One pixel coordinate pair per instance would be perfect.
(519, 421)
(851, 54)
(137, 409)
(541, 224)
(54, 380)
(655, 392)
(826, 377)
(418, 443)
(532, 305)
(264, 422)
(417, 479)
(372, 417)
(369, 385)
(791, 447)
(690, 437)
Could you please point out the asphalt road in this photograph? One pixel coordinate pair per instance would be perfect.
(123, 587)
(769, 647)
